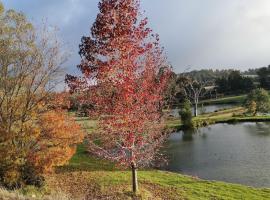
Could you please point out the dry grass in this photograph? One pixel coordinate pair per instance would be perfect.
(6, 195)
(99, 185)
(17, 195)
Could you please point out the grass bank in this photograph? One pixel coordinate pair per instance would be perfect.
(239, 99)
(86, 177)
(232, 115)
(98, 179)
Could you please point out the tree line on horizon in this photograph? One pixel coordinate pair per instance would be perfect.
(222, 82)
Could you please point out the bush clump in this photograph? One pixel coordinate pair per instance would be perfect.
(258, 100)
(186, 115)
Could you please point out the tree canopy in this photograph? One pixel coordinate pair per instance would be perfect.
(258, 100)
(125, 71)
(30, 66)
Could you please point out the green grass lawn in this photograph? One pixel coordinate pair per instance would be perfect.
(87, 177)
(105, 179)
(232, 115)
(82, 161)
(100, 179)
(238, 99)
(222, 114)
(226, 100)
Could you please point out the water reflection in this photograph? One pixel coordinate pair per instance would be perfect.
(187, 136)
(259, 129)
(238, 153)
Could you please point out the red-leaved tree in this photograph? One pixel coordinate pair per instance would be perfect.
(124, 77)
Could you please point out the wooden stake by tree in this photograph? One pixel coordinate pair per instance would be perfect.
(123, 71)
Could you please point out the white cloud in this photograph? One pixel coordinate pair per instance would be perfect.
(208, 33)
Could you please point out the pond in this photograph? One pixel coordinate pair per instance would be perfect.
(237, 153)
(205, 109)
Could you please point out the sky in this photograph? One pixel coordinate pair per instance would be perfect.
(196, 34)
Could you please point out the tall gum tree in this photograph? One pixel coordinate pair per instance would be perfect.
(124, 75)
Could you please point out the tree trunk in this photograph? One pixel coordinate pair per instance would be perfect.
(134, 178)
(195, 109)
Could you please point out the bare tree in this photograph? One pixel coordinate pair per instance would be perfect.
(194, 90)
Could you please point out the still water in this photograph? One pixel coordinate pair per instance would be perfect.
(233, 153)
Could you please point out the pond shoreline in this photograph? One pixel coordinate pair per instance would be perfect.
(94, 172)
(235, 153)
(229, 116)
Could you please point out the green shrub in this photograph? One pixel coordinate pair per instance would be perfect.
(258, 100)
(186, 115)
(202, 123)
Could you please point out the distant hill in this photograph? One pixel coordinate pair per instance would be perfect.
(210, 74)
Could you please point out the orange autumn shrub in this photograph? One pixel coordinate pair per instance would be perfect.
(60, 100)
(60, 135)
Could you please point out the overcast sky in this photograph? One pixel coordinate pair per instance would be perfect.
(197, 33)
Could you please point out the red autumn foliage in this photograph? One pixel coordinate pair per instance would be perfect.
(124, 76)
(57, 142)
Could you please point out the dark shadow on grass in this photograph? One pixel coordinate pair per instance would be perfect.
(83, 161)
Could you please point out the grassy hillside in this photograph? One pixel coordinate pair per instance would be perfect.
(86, 177)
(104, 180)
